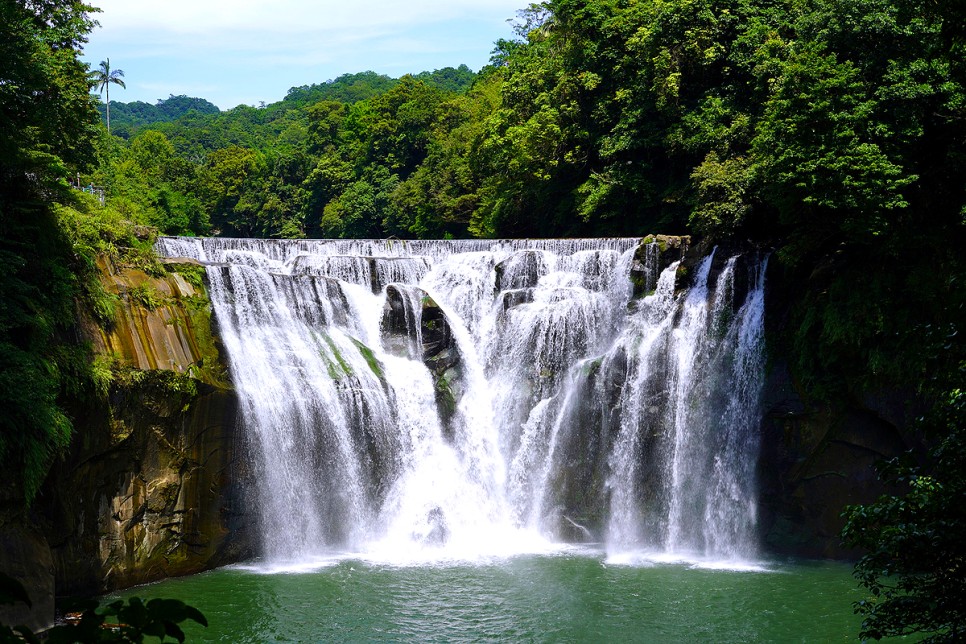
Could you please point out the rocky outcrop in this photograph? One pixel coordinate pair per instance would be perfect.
(161, 322)
(654, 254)
(747, 259)
(584, 442)
(149, 494)
(412, 322)
(25, 556)
(815, 461)
(150, 486)
(521, 270)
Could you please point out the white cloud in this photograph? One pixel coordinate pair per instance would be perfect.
(289, 17)
(246, 51)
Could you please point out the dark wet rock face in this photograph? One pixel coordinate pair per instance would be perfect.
(522, 270)
(654, 254)
(414, 325)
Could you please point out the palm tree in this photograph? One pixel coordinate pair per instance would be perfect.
(103, 78)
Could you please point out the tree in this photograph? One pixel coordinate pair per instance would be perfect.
(915, 566)
(160, 186)
(47, 114)
(47, 126)
(393, 129)
(103, 78)
(229, 185)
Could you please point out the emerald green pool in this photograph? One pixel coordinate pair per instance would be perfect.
(568, 597)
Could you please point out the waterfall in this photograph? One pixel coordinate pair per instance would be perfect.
(431, 399)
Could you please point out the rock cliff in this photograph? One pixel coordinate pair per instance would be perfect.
(818, 458)
(149, 488)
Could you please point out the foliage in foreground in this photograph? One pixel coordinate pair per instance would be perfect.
(51, 236)
(118, 621)
(915, 562)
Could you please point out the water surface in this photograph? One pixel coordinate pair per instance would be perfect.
(569, 597)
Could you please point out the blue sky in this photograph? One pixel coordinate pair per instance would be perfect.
(244, 51)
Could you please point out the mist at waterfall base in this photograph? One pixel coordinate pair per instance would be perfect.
(499, 439)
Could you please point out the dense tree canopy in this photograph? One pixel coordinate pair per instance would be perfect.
(46, 113)
(820, 120)
(47, 122)
(127, 118)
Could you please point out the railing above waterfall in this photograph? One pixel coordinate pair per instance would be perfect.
(98, 192)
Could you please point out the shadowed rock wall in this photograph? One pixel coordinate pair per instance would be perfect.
(817, 459)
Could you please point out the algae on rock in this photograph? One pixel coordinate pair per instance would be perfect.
(150, 490)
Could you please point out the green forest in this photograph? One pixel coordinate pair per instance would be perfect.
(832, 132)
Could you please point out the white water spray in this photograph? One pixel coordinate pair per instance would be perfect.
(428, 400)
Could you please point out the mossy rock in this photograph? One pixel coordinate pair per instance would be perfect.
(335, 363)
(448, 387)
(646, 267)
(370, 359)
(162, 322)
(445, 401)
(192, 270)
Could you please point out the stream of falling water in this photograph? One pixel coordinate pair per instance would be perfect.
(427, 400)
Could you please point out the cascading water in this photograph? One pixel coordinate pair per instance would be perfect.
(471, 398)
(682, 468)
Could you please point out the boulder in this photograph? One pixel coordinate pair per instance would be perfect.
(515, 297)
(654, 254)
(521, 270)
(412, 314)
